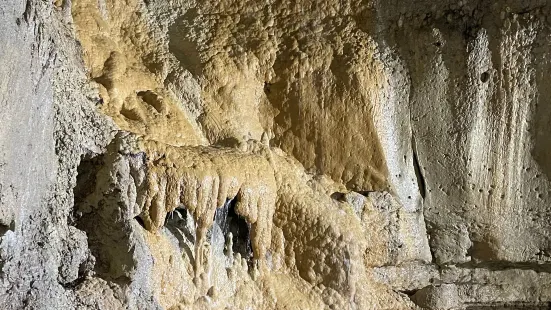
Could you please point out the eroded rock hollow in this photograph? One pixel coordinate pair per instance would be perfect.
(310, 154)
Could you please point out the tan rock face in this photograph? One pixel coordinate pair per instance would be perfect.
(439, 117)
(275, 154)
(303, 83)
(273, 91)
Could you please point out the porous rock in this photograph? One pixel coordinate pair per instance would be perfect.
(275, 154)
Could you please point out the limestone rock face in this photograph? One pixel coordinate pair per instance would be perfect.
(311, 154)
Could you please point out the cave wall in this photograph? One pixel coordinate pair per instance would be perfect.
(275, 154)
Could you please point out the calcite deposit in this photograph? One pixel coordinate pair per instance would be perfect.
(310, 154)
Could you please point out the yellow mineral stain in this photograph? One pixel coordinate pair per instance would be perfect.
(132, 94)
(171, 280)
(308, 249)
(202, 179)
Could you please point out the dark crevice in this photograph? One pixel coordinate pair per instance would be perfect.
(410, 294)
(240, 230)
(429, 226)
(4, 228)
(228, 142)
(151, 99)
(232, 223)
(482, 251)
(178, 219)
(267, 88)
(364, 193)
(87, 170)
(130, 114)
(140, 221)
(417, 168)
(74, 284)
(485, 77)
(83, 269)
(28, 11)
(103, 80)
(338, 196)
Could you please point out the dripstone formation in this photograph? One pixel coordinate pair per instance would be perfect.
(310, 154)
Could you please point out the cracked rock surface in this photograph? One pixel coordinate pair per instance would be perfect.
(310, 154)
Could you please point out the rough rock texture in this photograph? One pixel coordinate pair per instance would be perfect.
(275, 154)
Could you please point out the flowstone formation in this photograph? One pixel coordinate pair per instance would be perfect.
(275, 154)
(233, 228)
